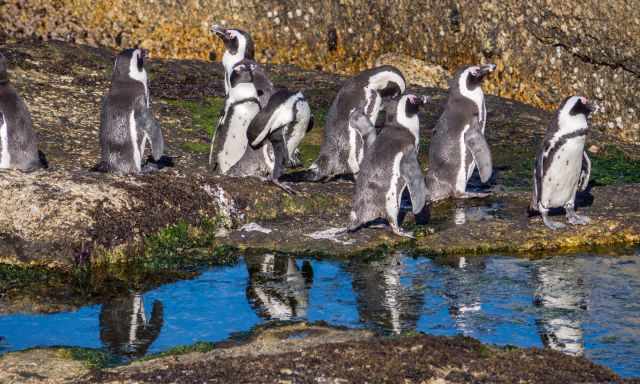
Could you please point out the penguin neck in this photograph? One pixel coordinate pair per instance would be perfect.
(569, 124)
(242, 91)
(476, 95)
(410, 123)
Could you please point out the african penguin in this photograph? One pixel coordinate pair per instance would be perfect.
(18, 141)
(562, 166)
(458, 145)
(239, 46)
(126, 122)
(342, 150)
(390, 165)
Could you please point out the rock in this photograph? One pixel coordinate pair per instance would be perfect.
(416, 71)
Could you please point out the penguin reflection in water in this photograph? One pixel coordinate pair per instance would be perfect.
(277, 288)
(458, 146)
(126, 122)
(18, 141)
(389, 166)
(125, 329)
(562, 167)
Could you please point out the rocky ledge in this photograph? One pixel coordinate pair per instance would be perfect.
(68, 216)
(303, 353)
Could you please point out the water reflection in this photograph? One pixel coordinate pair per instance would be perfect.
(561, 292)
(388, 298)
(124, 327)
(277, 289)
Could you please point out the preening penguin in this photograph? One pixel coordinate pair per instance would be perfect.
(229, 144)
(239, 46)
(390, 165)
(342, 150)
(126, 122)
(458, 145)
(18, 141)
(562, 166)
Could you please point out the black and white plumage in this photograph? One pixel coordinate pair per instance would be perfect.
(230, 144)
(342, 150)
(389, 166)
(238, 47)
(458, 146)
(18, 141)
(562, 166)
(126, 121)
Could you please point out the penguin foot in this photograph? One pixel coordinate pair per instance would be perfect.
(473, 195)
(576, 219)
(285, 188)
(553, 225)
(402, 233)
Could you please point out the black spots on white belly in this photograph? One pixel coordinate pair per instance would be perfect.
(567, 163)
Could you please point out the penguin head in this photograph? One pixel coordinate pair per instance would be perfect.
(468, 79)
(129, 65)
(242, 72)
(236, 41)
(577, 105)
(4, 77)
(412, 103)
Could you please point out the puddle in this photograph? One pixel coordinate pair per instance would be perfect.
(581, 305)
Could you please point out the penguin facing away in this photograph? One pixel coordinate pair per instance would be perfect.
(390, 165)
(126, 122)
(458, 145)
(18, 141)
(562, 166)
(239, 46)
(342, 150)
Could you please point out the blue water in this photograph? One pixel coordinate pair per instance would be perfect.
(581, 305)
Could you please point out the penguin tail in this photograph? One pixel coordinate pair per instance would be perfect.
(44, 163)
(531, 211)
(100, 167)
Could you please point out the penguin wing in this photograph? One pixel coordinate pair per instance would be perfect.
(585, 174)
(149, 125)
(360, 121)
(480, 151)
(277, 113)
(413, 178)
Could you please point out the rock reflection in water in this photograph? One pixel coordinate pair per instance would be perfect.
(388, 298)
(463, 214)
(561, 292)
(124, 327)
(277, 289)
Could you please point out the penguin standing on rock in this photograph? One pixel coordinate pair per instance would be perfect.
(126, 122)
(342, 150)
(230, 144)
(18, 141)
(458, 145)
(286, 110)
(390, 165)
(562, 166)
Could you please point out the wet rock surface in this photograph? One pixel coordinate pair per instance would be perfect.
(303, 353)
(544, 49)
(67, 215)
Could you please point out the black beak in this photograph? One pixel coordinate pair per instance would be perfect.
(220, 31)
(486, 69)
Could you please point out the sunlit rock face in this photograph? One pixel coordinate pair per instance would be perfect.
(544, 49)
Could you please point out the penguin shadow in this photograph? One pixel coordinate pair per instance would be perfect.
(306, 175)
(150, 165)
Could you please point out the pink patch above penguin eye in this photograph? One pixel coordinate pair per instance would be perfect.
(584, 100)
(412, 99)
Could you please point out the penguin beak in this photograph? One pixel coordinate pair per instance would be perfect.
(218, 30)
(588, 105)
(486, 69)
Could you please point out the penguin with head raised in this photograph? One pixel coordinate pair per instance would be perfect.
(458, 145)
(239, 46)
(342, 150)
(230, 144)
(389, 166)
(562, 166)
(126, 121)
(18, 141)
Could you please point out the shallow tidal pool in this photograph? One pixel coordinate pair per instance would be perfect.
(582, 305)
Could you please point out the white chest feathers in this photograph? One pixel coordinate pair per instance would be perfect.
(5, 156)
(560, 181)
(392, 198)
(133, 135)
(237, 119)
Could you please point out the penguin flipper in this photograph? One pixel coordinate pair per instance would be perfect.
(480, 151)
(413, 178)
(149, 125)
(585, 173)
(274, 116)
